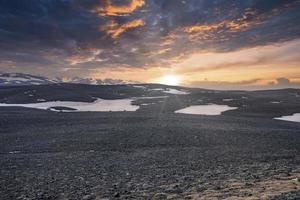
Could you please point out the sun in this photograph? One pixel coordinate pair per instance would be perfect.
(169, 80)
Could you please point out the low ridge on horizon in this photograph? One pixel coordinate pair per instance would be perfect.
(15, 78)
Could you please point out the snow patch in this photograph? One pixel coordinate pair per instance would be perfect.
(139, 86)
(174, 91)
(157, 89)
(275, 102)
(227, 99)
(211, 109)
(147, 104)
(292, 118)
(100, 105)
(14, 152)
(157, 97)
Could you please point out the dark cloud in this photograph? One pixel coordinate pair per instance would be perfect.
(226, 85)
(252, 84)
(53, 35)
(283, 81)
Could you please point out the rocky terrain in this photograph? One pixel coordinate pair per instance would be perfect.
(150, 153)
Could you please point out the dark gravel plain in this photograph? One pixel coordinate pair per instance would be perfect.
(152, 153)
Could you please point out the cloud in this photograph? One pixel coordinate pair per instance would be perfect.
(252, 84)
(282, 81)
(114, 30)
(218, 30)
(90, 55)
(264, 56)
(249, 18)
(118, 10)
(7, 64)
(251, 25)
(44, 36)
(226, 85)
(159, 52)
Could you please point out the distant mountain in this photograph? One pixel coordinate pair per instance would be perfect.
(91, 81)
(9, 79)
(23, 79)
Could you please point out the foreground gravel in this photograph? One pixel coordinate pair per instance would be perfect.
(47, 155)
(152, 153)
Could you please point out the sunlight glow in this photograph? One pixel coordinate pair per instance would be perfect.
(169, 80)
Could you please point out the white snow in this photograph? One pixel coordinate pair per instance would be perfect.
(98, 105)
(157, 89)
(228, 99)
(139, 86)
(20, 79)
(174, 91)
(147, 104)
(293, 118)
(14, 152)
(157, 97)
(275, 102)
(211, 109)
(14, 79)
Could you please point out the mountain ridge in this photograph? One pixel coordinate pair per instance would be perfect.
(15, 79)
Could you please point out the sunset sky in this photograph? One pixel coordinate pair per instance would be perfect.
(221, 44)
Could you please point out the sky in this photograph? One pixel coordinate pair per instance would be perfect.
(219, 44)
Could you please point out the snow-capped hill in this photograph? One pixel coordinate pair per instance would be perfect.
(9, 79)
(78, 80)
(90, 81)
(23, 79)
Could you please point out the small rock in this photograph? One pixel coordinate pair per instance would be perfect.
(88, 197)
(117, 194)
(160, 196)
(296, 180)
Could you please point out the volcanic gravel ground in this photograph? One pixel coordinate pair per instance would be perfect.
(152, 153)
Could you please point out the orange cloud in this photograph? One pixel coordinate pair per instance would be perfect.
(158, 52)
(248, 19)
(200, 28)
(268, 61)
(118, 10)
(84, 57)
(168, 39)
(114, 30)
(213, 31)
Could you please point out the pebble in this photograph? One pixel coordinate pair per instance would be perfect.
(88, 197)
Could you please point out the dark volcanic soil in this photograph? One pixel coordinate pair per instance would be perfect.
(152, 153)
